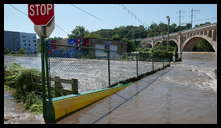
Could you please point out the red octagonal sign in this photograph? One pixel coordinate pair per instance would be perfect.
(41, 14)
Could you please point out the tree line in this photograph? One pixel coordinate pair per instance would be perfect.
(129, 33)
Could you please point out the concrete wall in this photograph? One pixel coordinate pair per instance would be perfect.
(11, 40)
(121, 47)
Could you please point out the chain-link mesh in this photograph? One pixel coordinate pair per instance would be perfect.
(90, 66)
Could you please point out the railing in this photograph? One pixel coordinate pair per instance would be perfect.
(183, 31)
(57, 87)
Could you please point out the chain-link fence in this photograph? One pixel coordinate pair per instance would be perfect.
(96, 68)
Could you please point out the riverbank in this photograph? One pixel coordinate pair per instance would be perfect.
(15, 113)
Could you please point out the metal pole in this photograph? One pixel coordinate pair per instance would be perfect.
(179, 17)
(137, 63)
(108, 58)
(152, 64)
(47, 71)
(42, 39)
(163, 62)
(192, 18)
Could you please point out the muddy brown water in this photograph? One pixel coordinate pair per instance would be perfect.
(187, 93)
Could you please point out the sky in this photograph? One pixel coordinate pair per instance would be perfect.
(67, 17)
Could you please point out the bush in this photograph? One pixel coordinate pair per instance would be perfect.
(33, 102)
(26, 81)
(11, 74)
(7, 51)
(21, 51)
(27, 91)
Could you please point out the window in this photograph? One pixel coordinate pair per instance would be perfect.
(34, 40)
(35, 44)
(29, 44)
(24, 40)
(24, 44)
(23, 36)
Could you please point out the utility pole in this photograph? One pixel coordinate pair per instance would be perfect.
(192, 11)
(168, 18)
(180, 17)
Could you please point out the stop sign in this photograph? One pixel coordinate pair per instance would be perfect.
(41, 14)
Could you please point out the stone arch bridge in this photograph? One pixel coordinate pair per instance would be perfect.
(185, 40)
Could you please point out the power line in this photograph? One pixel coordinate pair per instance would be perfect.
(204, 19)
(192, 11)
(27, 15)
(133, 15)
(180, 17)
(91, 14)
(18, 9)
(86, 12)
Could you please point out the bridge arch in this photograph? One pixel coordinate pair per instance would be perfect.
(192, 41)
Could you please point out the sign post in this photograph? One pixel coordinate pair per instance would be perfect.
(42, 15)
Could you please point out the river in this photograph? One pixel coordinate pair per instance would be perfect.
(196, 71)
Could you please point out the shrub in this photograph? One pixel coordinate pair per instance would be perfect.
(11, 74)
(21, 51)
(7, 51)
(27, 90)
(27, 80)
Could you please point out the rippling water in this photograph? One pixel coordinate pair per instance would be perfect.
(196, 72)
(187, 94)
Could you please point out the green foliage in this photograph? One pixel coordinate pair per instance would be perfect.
(158, 52)
(93, 35)
(128, 33)
(116, 37)
(55, 38)
(21, 51)
(131, 46)
(206, 23)
(78, 32)
(33, 102)
(203, 45)
(7, 51)
(11, 74)
(24, 81)
(162, 29)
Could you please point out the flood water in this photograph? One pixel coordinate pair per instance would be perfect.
(91, 73)
(187, 93)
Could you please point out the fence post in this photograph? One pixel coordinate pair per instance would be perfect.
(108, 59)
(163, 62)
(58, 87)
(137, 63)
(152, 64)
(74, 86)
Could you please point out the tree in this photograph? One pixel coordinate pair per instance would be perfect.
(198, 25)
(78, 32)
(55, 38)
(203, 45)
(93, 35)
(116, 37)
